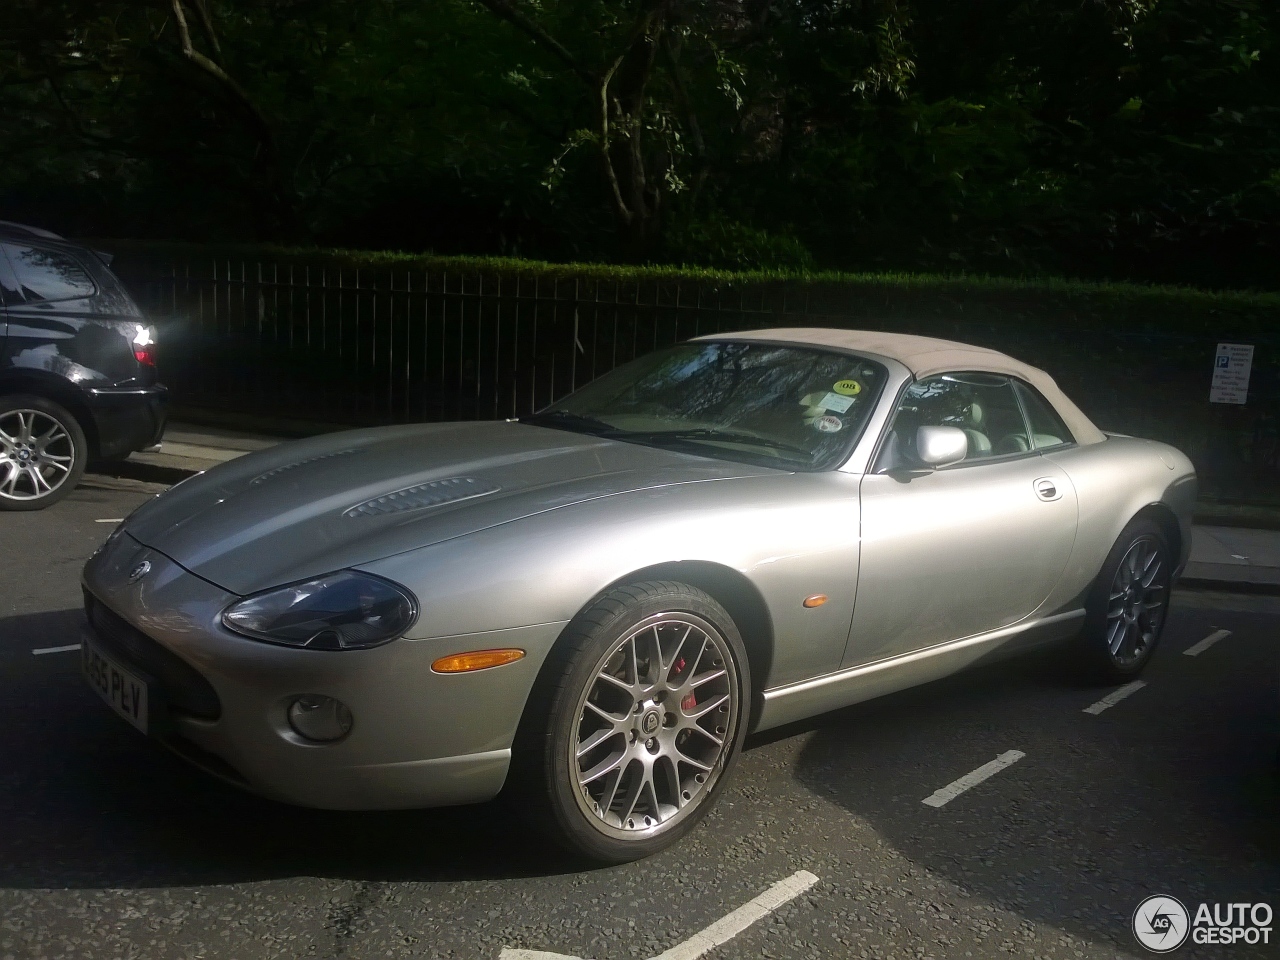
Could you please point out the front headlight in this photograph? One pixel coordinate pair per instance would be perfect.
(346, 610)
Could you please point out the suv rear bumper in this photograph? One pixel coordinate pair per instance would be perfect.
(127, 418)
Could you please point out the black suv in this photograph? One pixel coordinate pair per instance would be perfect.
(77, 368)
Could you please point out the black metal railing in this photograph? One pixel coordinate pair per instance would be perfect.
(311, 339)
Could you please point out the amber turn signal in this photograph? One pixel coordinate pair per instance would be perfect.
(817, 600)
(476, 660)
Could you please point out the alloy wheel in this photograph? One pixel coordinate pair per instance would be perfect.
(1136, 602)
(37, 454)
(655, 726)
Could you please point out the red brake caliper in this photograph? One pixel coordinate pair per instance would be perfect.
(690, 700)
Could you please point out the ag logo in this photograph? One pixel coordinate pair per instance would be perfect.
(140, 571)
(1161, 924)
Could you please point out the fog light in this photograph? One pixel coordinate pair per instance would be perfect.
(318, 718)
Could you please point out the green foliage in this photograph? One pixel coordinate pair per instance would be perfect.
(730, 245)
(1124, 139)
(1048, 302)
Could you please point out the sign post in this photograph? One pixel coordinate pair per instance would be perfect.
(1231, 368)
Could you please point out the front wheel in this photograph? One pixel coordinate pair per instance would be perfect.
(648, 697)
(43, 452)
(1126, 610)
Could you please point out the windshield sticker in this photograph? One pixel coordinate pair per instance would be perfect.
(812, 403)
(828, 425)
(833, 401)
(847, 388)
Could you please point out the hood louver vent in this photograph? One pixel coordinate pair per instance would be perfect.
(433, 494)
(264, 477)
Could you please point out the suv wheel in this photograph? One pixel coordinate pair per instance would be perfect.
(43, 452)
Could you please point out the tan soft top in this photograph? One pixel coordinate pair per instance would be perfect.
(927, 356)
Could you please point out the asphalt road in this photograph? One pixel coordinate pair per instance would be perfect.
(109, 847)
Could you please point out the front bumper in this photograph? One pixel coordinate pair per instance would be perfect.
(127, 418)
(419, 739)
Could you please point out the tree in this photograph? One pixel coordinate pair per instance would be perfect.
(1126, 138)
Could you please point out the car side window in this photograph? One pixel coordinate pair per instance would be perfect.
(1047, 428)
(983, 405)
(45, 276)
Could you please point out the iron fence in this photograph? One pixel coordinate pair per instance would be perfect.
(318, 341)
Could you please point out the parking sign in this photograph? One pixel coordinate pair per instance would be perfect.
(1231, 367)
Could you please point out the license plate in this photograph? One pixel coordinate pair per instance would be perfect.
(122, 690)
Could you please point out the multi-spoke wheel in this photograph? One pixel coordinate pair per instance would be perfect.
(648, 693)
(42, 453)
(1126, 610)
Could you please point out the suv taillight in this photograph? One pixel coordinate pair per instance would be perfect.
(144, 346)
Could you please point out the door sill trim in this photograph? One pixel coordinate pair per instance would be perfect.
(865, 681)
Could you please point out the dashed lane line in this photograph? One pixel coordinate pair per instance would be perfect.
(952, 790)
(1114, 697)
(40, 651)
(1206, 643)
(713, 936)
(747, 914)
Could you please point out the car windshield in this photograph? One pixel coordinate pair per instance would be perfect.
(795, 408)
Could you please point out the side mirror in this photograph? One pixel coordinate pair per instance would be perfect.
(940, 446)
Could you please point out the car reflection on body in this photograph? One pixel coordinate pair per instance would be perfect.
(590, 607)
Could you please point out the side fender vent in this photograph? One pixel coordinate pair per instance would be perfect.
(423, 495)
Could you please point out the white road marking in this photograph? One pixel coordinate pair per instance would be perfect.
(743, 917)
(67, 649)
(1114, 697)
(719, 932)
(952, 790)
(111, 520)
(1206, 643)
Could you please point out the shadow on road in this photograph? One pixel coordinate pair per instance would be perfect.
(88, 802)
(1179, 793)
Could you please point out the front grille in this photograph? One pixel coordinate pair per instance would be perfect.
(182, 688)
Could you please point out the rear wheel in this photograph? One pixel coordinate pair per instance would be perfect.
(647, 702)
(43, 452)
(1126, 610)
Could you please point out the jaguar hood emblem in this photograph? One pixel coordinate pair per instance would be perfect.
(140, 571)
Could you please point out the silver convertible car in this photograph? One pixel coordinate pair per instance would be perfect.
(590, 607)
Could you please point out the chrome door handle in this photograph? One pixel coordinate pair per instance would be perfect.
(1047, 489)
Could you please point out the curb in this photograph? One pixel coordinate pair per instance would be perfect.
(283, 427)
(1241, 523)
(144, 472)
(1200, 584)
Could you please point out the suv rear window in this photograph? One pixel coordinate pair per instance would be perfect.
(47, 275)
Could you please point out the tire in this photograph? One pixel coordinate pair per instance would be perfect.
(618, 769)
(1128, 605)
(43, 452)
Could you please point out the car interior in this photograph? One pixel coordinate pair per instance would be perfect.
(983, 405)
